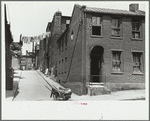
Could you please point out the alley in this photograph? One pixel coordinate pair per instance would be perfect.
(32, 87)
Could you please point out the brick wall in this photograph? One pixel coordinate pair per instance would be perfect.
(108, 43)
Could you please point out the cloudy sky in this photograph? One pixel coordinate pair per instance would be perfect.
(31, 18)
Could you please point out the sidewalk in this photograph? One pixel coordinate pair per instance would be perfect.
(52, 82)
(119, 95)
(11, 93)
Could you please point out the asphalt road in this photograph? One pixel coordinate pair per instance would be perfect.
(32, 87)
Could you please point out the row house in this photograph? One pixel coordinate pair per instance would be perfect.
(98, 46)
(8, 56)
(58, 25)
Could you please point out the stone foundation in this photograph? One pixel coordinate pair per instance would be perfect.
(125, 86)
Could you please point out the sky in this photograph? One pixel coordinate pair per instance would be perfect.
(31, 18)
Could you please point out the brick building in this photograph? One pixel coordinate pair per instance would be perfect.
(8, 57)
(99, 46)
(56, 27)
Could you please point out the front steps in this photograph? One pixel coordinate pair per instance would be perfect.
(97, 89)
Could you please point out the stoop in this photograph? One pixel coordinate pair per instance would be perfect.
(97, 89)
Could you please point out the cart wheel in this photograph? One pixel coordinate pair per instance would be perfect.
(65, 98)
(55, 96)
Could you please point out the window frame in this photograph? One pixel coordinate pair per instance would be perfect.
(66, 41)
(141, 63)
(133, 21)
(96, 25)
(116, 28)
(121, 61)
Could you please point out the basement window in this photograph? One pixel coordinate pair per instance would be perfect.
(96, 26)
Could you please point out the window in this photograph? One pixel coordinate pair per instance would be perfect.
(59, 62)
(62, 61)
(135, 29)
(65, 59)
(65, 41)
(72, 35)
(115, 28)
(116, 62)
(96, 26)
(62, 44)
(67, 23)
(59, 47)
(137, 62)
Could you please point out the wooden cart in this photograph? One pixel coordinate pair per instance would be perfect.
(60, 93)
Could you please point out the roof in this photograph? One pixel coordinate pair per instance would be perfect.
(114, 11)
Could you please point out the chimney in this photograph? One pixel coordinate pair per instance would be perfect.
(57, 23)
(133, 7)
(83, 6)
(58, 13)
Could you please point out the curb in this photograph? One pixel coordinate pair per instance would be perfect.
(43, 76)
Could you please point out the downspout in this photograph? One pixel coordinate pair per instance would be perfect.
(72, 55)
(84, 51)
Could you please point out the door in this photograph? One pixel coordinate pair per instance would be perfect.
(96, 60)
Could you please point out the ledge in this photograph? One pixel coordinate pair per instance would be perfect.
(96, 36)
(117, 72)
(116, 38)
(136, 39)
(138, 73)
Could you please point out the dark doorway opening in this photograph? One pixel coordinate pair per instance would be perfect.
(96, 61)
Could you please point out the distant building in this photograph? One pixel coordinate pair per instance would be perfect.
(16, 55)
(27, 61)
(15, 62)
(37, 62)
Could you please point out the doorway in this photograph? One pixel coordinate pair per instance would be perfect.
(96, 57)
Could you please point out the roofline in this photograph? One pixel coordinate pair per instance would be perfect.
(88, 11)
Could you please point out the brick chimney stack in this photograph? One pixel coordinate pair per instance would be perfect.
(133, 7)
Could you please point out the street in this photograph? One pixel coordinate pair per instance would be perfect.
(32, 87)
